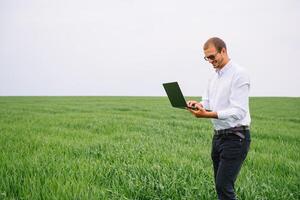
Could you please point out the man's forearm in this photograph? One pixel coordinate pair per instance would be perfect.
(211, 115)
(206, 114)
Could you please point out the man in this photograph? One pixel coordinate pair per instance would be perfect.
(227, 100)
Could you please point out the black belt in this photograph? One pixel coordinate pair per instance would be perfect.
(239, 130)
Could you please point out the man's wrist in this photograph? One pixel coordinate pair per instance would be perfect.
(212, 115)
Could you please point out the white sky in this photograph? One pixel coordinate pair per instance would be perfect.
(130, 47)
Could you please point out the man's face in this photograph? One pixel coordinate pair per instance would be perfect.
(214, 57)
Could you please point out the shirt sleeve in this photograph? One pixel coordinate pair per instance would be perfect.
(205, 99)
(239, 98)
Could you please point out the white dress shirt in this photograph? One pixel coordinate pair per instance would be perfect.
(228, 95)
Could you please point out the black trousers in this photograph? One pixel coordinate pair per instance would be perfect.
(228, 153)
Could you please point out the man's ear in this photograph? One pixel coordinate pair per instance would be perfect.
(223, 50)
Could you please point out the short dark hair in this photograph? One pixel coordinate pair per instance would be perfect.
(218, 43)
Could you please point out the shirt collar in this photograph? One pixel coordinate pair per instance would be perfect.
(224, 69)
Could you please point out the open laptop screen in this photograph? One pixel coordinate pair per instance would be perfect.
(175, 95)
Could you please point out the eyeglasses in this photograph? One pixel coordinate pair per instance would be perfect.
(211, 57)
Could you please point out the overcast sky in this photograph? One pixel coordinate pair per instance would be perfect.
(130, 47)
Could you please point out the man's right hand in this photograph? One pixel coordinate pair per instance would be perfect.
(193, 103)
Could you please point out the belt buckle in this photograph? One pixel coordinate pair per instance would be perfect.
(216, 132)
(221, 132)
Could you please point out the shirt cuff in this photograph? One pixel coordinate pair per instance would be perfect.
(223, 115)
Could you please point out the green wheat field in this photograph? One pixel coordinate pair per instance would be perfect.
(138, 148)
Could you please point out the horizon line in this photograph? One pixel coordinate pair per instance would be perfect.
(124, 96)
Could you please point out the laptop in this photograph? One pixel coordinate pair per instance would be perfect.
(175, 95)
